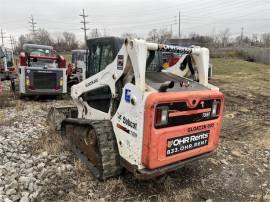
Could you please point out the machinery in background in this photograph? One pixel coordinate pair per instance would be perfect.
(79, 60)
(41, 72)
(7, 67)
(136, 113)
(77, 69)
(189, 43)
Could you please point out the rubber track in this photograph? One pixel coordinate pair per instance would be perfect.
(108, 149)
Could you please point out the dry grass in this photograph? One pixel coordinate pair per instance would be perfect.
(4, 121)
(238, 68)
(78, 167)
(50, 142)
(19, 105)
(185, 195)
(6, 101)
(260, 55)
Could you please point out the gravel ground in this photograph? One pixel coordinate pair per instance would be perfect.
(25, 165)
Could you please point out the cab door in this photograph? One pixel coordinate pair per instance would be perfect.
(101, 53)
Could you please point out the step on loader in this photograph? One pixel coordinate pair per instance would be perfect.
(145, 107)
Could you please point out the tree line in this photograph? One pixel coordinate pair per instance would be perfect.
(67, 41)
(61, 41)
(222, 39)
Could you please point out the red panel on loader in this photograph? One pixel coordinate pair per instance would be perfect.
(192, 127)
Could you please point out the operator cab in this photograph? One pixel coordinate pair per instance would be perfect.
(102, 51)
(38, 50)
(6, 60)
(9, 55)
(78, 55)
(159, 65)
(41, 55)
(78, 60)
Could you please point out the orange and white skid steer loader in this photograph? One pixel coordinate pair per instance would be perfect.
(134, 112)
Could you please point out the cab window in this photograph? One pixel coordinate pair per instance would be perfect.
(106, 56)
(94, 59)
(100, 55)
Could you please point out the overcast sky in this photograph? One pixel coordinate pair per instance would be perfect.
(140, 16)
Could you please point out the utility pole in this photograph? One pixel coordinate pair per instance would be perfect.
(12, 47)
(11, 43)
(171, 31)
(32, 24)
(2, 37)
(242, 34)
(84, 25)
(96, 34)
(14, 42)
(179, 35)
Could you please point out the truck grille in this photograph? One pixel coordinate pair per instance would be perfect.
(44, 80)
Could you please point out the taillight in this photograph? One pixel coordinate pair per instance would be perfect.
(161, 116)
(215, 109)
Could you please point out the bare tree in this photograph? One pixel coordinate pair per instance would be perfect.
(164, 35)
(43, 37)
(129, 35)
(201, 40)
(255, 38)
(95, 33)
(21, 40)
(159, 36)
(70, 40)
(193, 35)
(153, 35)
(27, 38)
(266, 39)
(225, 36)
(59, 43)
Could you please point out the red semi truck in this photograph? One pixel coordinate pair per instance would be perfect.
(41, 72)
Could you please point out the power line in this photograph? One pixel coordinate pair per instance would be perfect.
(84, 25)
(2, 36)
(32, 24)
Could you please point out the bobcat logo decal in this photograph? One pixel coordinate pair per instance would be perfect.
(170, 143)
